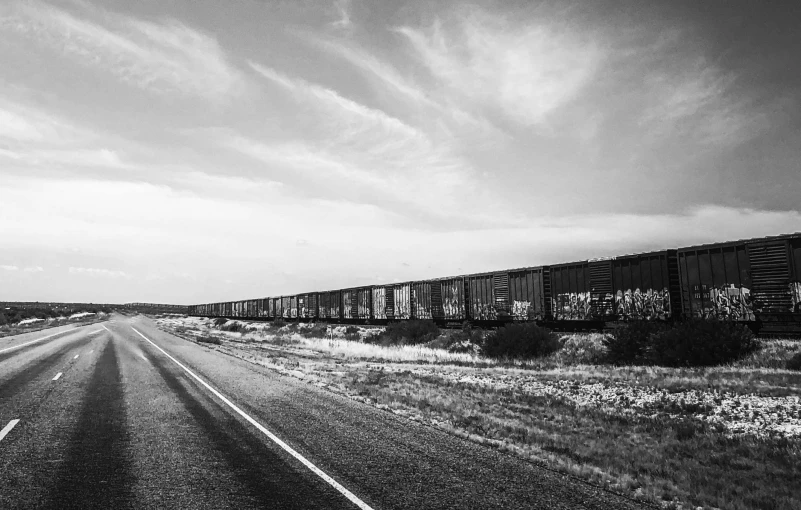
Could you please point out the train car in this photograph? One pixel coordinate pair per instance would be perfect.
(379, 302)
(357, 303)
(646, 286)
(529, 293)
(307, 306)
(364, 303)
(399, 301)
(329, 305)
(582, 291)
(757, 281)
(454, 298)
(427, 300)
(488, 296)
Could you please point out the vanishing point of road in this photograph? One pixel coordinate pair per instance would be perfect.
(123, 415)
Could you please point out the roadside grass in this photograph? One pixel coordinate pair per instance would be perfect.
(658, 459)
(668, 453)
(13, 330)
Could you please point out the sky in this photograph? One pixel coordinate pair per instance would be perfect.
(191, 151)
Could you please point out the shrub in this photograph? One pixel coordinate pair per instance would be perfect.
(315, 331)
(233, 327)
(409, 332)
(465, 340)
(627, 344)
(582, 348)
(219, 321)
(209, 340)
(520, 340)
(698, 342)
(794, 363)
(279, 323)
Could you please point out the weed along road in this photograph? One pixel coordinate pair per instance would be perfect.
(124, 415)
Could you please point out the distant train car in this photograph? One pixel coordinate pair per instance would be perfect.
(489, 296)
(453, 297)
(427, 300)
(379, 300)
(752, 280)
(529, 294)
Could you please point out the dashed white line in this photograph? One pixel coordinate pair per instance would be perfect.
(90, 352)
(76, 356)
(102, 326)
(317, 471)
(58, 375)
(7, 429)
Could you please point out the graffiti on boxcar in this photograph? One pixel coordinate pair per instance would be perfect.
(649, 305)
(795, 293)
(726, 302)
(452, 302)
(484, 312)
(572, 306)
(521, 310)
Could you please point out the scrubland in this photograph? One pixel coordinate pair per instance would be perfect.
(37, 324)
(725, 436)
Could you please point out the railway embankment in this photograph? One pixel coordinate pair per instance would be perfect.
(726, 436)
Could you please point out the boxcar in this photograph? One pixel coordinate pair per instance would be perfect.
(489, 296)
(379, 299)
(752, 280)
(646, 286)
(399, 301)
(529, 291)
(307, 306)
(427, 300)
(364, 303)
(582, 291)
(453, 295)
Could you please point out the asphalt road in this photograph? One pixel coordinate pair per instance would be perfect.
(126, 426)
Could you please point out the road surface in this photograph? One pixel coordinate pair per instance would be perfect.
(123, 415)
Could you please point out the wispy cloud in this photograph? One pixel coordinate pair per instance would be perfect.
(91, 271)
(356, 118)
(34, 269)
(527, 70)
(344, 22)
(697, 99)
(166, 56)
(5, 267)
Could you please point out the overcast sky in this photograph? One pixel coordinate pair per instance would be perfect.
(190, 151)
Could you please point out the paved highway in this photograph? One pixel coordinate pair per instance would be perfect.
(123, 415)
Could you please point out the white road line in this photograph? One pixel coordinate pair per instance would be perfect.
(90, 352)
(102, 326)
(76, 356)
(7, 429)
(317, 471)
(58, 375)
(31, 342)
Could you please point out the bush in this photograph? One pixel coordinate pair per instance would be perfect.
(279, 323)
(698, 342)
(209, 340)
(219, 321)
(794, 363)
(521, 341)
(465, 340)
(409, 332)
(627, 344)
(582, 348)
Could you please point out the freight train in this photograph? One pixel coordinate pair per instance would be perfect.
(754, 281)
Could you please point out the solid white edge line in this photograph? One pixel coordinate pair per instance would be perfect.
(102, 326)
(7, 429)
(58, 375)
(317, 471)
(32, 342)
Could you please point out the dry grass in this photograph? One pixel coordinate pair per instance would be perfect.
(535, 409)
